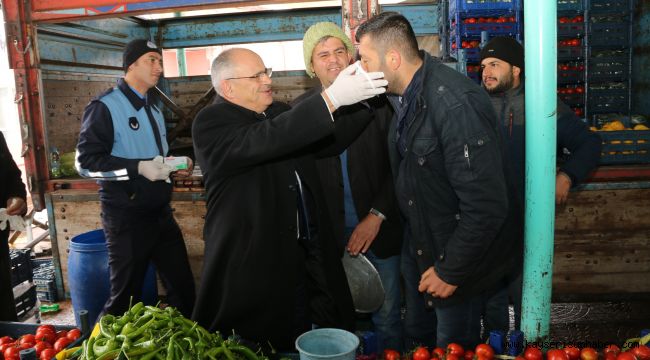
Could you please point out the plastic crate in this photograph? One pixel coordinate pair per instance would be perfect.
(615, 34)
(572, 100)
(25, 301)
(571, 30)
(570, 76)
(625, 147)
(608, 101)
(460, 26)
(566, 53)
(609, 6)
(47, 291)
(16, 329)
(471, 55)
(21, 266)
(604, 68)
(570, 5)
(485, 6)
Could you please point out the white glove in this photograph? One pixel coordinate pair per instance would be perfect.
(350, 88)
(155, 169)
(16, 222)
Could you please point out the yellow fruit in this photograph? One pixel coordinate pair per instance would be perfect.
(593, 128)
(615, 125)
(641, 127)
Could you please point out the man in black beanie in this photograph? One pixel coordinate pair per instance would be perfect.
(122, 144)
(502, 66)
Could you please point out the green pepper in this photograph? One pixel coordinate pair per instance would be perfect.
(135, 310)
(127, 329)
(151, 355)
(105, 326)
(140, 329)
(227, 351)
(248, 353)
(89, 348)
(104, 345)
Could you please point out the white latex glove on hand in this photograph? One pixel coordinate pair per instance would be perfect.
(353, 85)
(16, 222)
(155, 169)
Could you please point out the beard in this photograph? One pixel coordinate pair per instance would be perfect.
(503, 85)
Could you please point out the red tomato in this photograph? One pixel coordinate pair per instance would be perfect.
(588, 354)
(471, 20)
(47, 354)
(564, 20)
(61, 333)
(74, 334)
(484, 350)
(556, 354)
(6, 340)
(455, 349)
(452, 357)
(46, 335)
(610, 356)
(27, 339)
(40, 346)
(469, 355)
(512, 19)
(465, 44)
(46, 326)
(390, 354)
(61, 343)
(572, 351)
(12, 352)
(421, 353)
(626, 356)
(532, 353)
(642, 352)
(474, 43)
(579, 18)
(438, 351)
(612, 348)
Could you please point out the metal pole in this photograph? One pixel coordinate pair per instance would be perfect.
(540, 33)
(180, 56)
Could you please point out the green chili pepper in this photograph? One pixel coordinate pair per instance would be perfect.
(248, 353)
(135, 310)
(151, 355)
(103, 345)
(227, 351)
(105, 326)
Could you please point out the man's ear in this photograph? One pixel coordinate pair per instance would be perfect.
(226, 89)
(516, 70)
(393, 59)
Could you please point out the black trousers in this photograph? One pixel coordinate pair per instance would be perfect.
(7, 304)
(133, 240)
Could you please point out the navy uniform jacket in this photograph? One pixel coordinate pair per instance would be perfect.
(116, 134)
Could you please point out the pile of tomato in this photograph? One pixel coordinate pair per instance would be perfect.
(486, 352)
(569, 20)
(570, 42)
(480, 20)
(577, 89)
(47, 342)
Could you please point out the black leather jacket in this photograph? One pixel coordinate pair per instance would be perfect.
(450, 184)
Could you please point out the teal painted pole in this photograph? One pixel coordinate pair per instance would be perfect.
(540, 33)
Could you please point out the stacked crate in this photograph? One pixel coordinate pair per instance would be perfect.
(571, 55)
(45, 281)
(21, 281)
(468, 19)
(609, 52)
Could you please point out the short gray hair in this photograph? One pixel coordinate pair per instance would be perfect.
(222, 68)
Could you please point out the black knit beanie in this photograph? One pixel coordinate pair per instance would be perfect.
(135, 49)
(506, 49)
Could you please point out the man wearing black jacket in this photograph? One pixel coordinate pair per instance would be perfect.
(502, 64)
(449, 181)
(361, 196)
(12, 197)
(265, 275)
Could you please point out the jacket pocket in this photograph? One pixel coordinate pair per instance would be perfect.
(424, 150)
(472, 157)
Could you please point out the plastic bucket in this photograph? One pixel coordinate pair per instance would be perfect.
(326, 343)
(89, 276)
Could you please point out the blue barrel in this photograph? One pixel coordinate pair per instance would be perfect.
(89, 277)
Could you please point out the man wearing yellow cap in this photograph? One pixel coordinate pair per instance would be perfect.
(361, 200)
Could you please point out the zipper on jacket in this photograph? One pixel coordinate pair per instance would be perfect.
(466, 152)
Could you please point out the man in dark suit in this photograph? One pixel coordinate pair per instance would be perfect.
(264, 276)
(12, 197)
(361, 196)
